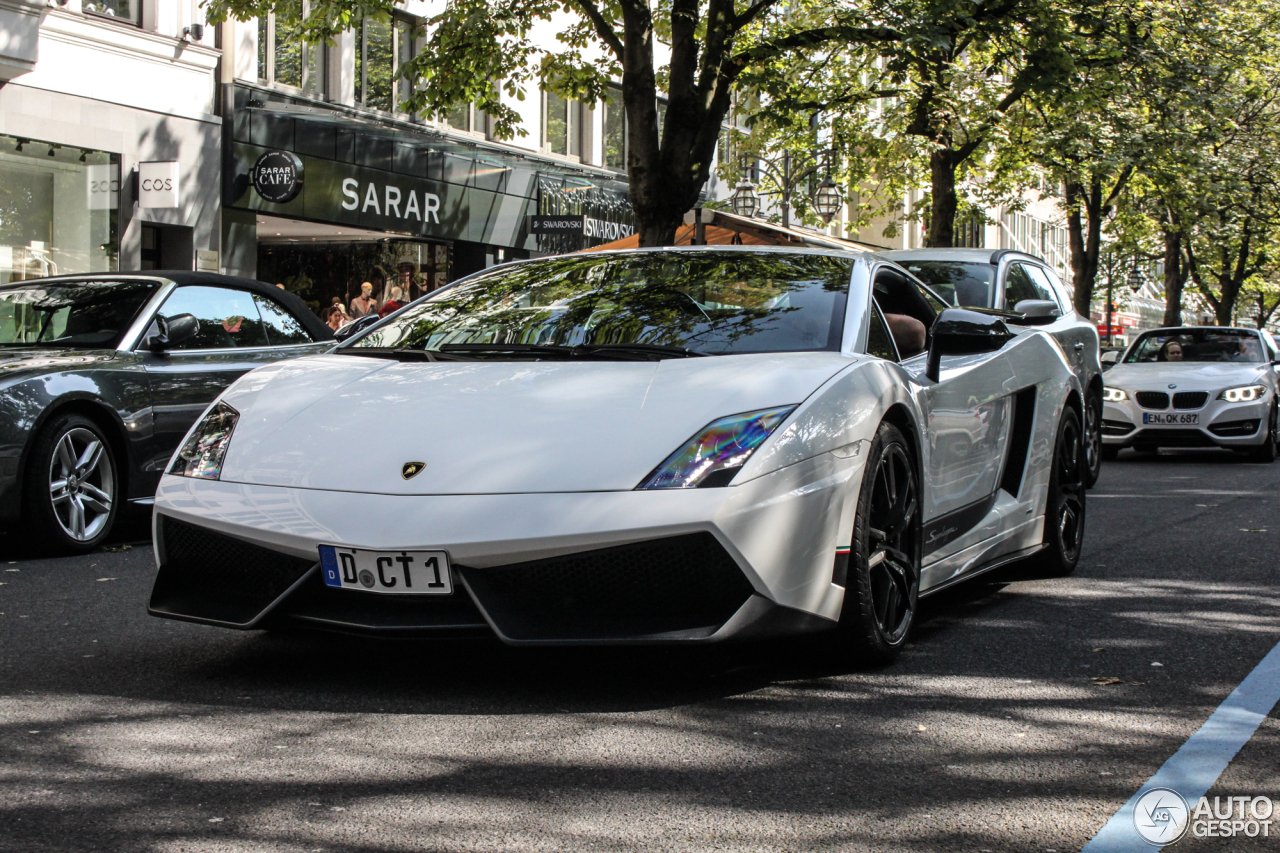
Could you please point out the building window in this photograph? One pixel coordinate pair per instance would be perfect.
(615, 131)
(125, 11)
(58, 209)
(283, 57)
(381, 48)
(561, 125)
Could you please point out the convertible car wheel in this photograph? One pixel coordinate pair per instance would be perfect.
(1267, 452)
(884, 577)
(72, 488)
(1064, 509)
(1093, 440)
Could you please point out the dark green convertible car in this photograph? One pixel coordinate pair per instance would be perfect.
(102, 374)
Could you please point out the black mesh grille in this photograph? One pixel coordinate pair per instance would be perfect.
(1173, 438)
(1153, 399)
(208, 575)
(1190, 399)
(1230, 428)
(682, 583)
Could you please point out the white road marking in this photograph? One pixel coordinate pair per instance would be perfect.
(1197, 765)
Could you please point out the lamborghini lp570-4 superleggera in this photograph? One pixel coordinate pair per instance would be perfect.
(677, 445)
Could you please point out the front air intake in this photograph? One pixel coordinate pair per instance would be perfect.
(683, 584)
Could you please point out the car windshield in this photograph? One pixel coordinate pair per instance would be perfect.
(1198, 344)
(80, 314)
(704, 303)
(961, 284)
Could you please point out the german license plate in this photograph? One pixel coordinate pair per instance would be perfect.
(1172, 419)
(392, 572)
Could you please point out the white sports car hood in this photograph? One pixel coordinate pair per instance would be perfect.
(1188, 376)
(347, 423)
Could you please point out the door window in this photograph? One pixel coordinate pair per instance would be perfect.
(1018, 285)
(1040, 278)
(282, 327)
(228, 318)
(879, 341)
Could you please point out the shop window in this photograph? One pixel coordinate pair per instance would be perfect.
(615, 130)
(283, 57)
(228, 318)
(562, 125)
(58, 209)
(381, 48)
(125, 11)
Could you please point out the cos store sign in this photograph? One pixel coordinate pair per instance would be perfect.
(158, 184)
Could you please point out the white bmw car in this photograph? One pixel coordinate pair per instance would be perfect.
(1199, 386)
(678, 445)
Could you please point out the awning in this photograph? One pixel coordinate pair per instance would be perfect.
(729, 229)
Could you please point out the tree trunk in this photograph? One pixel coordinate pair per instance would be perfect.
(1174, 276)
(1085, 239)
(943, 202)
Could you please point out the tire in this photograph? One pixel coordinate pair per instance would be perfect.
(1064, 513)
(72, 490)
(883, 586)
(1094, 455)
(1266, 454)
(1109, 454)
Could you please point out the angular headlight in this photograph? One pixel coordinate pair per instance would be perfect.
(718, 452)
(1244, 394)
(201, 454)
(1113, 395)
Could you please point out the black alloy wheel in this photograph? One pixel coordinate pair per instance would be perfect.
(884, 573)
(1064, 513)
(72, 487)
(1266, 453)
(1093, 453)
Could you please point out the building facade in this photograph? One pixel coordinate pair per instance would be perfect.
(109, 137)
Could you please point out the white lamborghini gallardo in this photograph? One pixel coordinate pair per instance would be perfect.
(676, 445)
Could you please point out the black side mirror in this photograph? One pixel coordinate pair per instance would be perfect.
(958, 331)
(1037, 312)
(172, 332)
(355, 327)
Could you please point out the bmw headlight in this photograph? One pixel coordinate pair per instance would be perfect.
(1113, 395)
(713, 456)
(202, 453)
(1244, 394)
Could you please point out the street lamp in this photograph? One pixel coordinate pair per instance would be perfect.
(787, 174)
(744, 200)
(827, 200)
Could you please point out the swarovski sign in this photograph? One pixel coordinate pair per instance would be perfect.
(585, 226)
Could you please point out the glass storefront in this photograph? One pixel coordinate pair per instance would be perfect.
(318, 271)
(58, 209)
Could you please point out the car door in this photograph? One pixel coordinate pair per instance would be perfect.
(967, 423)
(1078, 339)
(239, 330)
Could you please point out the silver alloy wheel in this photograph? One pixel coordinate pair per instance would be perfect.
(81, 484)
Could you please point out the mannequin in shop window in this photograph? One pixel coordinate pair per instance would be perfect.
(364, 304)
(394, 303)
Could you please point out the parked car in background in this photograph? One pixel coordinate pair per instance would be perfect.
(1024, 285)
(101, 376)
(1199, 386)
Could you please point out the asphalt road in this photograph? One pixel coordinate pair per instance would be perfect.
(122, 732)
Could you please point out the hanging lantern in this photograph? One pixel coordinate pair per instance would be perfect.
(827, 200)
(744, 200)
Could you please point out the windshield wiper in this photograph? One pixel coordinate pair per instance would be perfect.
(520, 349)
(658, 350)
(399, 353)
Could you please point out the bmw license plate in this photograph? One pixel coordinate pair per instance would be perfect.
(394, 572)
(1172, 419)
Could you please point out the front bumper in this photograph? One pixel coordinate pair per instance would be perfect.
(1221, 424)
(605, 567)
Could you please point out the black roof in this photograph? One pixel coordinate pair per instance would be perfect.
(318, 329)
